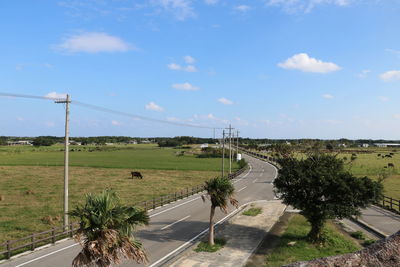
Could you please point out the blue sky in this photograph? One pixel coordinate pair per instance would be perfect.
(271, 68)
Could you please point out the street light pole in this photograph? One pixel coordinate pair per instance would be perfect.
(223, 153)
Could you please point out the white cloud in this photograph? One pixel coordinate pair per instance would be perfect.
(327, 96)
(190, 68)
(393, 75)
(396, 116)
(173, 119)
(185, 87)
(116, 123)
(306, 6)
(242, 8)
(364, 73)
(189, 59)
(225, 101)
(181, 9)
(384, 98)
(153, 106)
(20, 119)
(94, 42)
(55, 95)
(211, 2)
(50, 124)
(174, 66)
(308, 64)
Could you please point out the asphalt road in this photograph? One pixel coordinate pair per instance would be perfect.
(173, 227)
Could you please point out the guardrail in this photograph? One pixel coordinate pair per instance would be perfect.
(30, 242)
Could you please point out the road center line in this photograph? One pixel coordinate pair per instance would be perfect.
(169, 225)
(174, 207)
(242, 189)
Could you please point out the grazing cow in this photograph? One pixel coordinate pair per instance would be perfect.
(390, 165)
(137, 174)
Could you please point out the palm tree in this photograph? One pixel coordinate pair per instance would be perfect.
(219, 191)
(106, 231)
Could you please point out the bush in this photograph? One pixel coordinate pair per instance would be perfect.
(252, 212)
(358, 235)
(205, 247)
(242, 163)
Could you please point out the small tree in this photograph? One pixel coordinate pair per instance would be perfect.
(320, 187)
(219, 191)
(106, 231)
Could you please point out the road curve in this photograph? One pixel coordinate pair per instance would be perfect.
(173, 227)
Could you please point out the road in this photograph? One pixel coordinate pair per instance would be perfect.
(173, 227)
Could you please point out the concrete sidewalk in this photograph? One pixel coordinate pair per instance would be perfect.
(385, 221)
(243, 235)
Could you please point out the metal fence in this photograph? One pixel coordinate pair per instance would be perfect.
(30, 242)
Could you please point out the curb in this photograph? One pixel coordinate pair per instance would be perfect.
(369, 227)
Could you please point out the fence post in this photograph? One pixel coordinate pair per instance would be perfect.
(391, 203)
(33, 242)
(53, 235)
(175, 196)
(162, 201)
(71, 230)
(187, 191)
(8, 249)
(154, 203)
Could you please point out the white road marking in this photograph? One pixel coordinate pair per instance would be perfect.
(244, 175)
(174, 207)
(51, 253)
(242, 189)
(261, 174)
(169, 225)
(254, 180)
(203, 232)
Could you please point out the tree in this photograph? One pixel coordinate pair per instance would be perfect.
(322, 189)
(219, 191)
(44, 141)
(106, 231)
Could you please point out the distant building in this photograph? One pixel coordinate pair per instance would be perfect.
(203, 145)
(386, 145)
(75, 143)
(132, 142)
(19, 143)
(365, 145)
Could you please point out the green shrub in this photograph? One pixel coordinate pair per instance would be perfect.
(205, 247)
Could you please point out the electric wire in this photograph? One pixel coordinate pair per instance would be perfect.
(108, 110)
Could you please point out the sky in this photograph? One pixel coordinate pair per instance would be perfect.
(271, 68)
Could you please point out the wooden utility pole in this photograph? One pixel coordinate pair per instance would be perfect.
(66, 158)
(230, 149)
(237, 144)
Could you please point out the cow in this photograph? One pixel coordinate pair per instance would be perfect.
(137, 174)
(390, 165)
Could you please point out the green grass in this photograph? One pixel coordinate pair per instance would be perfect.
(205, 247)
(34, 190)
(128, 156)
(297, 229)
(252, 211)
(358, 235)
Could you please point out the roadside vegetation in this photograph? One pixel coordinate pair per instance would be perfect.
(253, 211)
(206, 247)
(31, 179)
(293, 244)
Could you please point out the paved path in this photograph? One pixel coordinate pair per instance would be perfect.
(173, 227)
(243, 235)
(385, 221)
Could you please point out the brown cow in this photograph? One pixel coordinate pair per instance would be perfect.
(137, 174)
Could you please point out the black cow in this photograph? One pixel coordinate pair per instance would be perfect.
(390, 165)
(137, 174)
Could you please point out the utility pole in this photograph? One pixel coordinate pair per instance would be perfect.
(230, 149)
(66, 158)
(223, 153)
(237, 144)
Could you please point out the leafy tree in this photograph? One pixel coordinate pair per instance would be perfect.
(322, 189)
(44, 141)
(106, 231)
(219, 191)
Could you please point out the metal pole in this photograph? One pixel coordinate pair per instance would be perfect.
(230, 149)
(66, 159)
(223, 153)
(237, 143)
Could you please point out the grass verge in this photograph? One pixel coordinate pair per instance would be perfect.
(205, 247)
(293, 245)
(252, 211)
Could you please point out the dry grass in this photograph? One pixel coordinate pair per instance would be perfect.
(34, 194)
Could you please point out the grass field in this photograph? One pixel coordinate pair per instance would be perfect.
(297, 229)
(33, 190)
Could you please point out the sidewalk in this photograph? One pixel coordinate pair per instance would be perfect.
(385, 221)
(243, 235)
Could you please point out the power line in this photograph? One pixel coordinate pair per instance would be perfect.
(108, 110)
